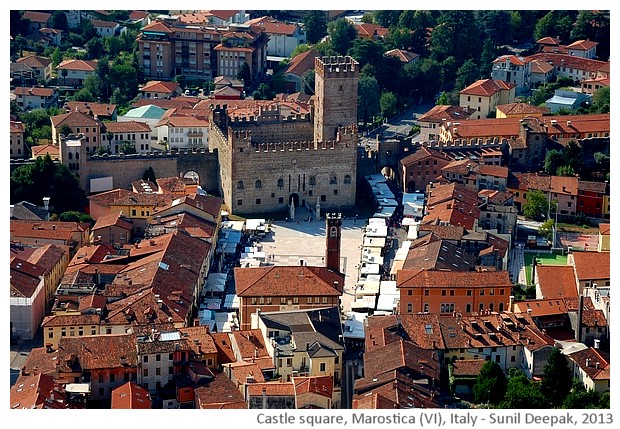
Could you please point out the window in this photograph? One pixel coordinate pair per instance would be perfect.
(295, 300)
(240, 184)
(258, 184)
(145, 359)
(170, 356)
(492, 292)
(481, 292)
(512, 358)
(335, 191)
(481, 307)
(100, 378)
(239, 202)
(468, 292)
(324, 300)
(426, 308)
(145, 372)
(112, 378)
(468, 308)
(347, 179)
(50, 334)
(283, 300)
(491, 306)
(158, 358)
(410, 292)
(317, 300)
(280, 183)
(323, 198)
(253, 300)
(409, 308)
(322, 367)
(427, 292)
(157, 371)
(311, 181)
(281, 200)
(333, 180)
(451, 292)
(258, 201)
(443, 292)
(309, 301)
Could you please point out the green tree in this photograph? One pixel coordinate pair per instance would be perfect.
(44, 178)
(263, 92)
(490, 385)
(387, 18)
(75, 216)
(602, 161)
(553, 160)
(59, 20)
(102, 73)
(366, 51)
(467, 74)
(149, 175)
(57, 56)
(557, 378)
(389, 104)
(83, 95)
(495, 25)
(593, 25)
(315, 24)
(456, 34)
(522, 393)
(489, 53)
(245, 75)
(300, 49)
(42, 133)
(368, 99)
(546, 229)
(601, 100)
(127, 148)
(573, 155)
(565, 170)
(125, 77)
(536, 205)
(342, 33)
(95, 48)
(579, 398)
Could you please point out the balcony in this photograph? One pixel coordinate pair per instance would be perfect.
(195, 134)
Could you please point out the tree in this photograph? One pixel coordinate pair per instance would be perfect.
(565, 170)
(64, 73)
(580, 398)
(308, 78)
(95, 48)
(342, 33)
(546, 229)
(557, 378)
(57, 56)
(522, 393)
(315, 24)
(127, 148)
(245, 74)
(573, 155)
(149, 175)
(490, 386)
(553, 160)
(45, 178)
(83, 95)
(389, 104)
(536, 205)
(368, 101)
(601, 100)
(59, 20)
(467, 74)
(457, 35)
(495, 25)
(387, 18)
(489, 53)
(263, 92)
(75, 216)
(593, 25)
(300, 49)
(366, 51)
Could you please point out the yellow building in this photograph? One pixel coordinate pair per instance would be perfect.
(519, 110)
(603, 237)
(56, 327)
(485, 95)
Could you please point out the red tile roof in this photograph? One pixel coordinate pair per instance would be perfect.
(74, 119)
(82, 65)
(36, 91)
(301, 63)
(321, 385)
(271, 389)
(604, 228)
(521, 109)
(222, 14)
(199, 339)
(219, 393)
(107, 198)
(564, 60)
(103, 24)
(223, 343)
(71, 320)
(127, 127)
(370, 30)
(46, 149)
(130, 396)
(37, 391)
(541, 307)
(494, 170)
(512, 59)
(138, 14)
(450, 113)
(588, 359)
(487, 87)
(35, 61)
(468, 367)
(548, 41)
(272, 26)
(582, 45)
(158, 27)
(99, 109)
(160, 86)
(457, 279)
(592, 265)
(422, 153)
(403, 55)
(112, 219)
(250, 344)
(17, 127)
(541, 67)
(288, 281)
(101, 351)
(41, 17)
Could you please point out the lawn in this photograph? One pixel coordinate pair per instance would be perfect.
(543, 259)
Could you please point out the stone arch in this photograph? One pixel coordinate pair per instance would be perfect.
(192, 175)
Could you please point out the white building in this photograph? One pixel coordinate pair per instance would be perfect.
(513, 69)
(183, 132)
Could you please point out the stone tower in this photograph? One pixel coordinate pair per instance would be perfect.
(336, 95)
(333, 227)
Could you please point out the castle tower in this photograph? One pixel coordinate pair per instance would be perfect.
(336, 95)
(333, 227)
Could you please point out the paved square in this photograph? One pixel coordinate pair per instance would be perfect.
(288, 243)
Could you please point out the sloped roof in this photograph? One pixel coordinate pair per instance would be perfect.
(147, 111)
(487, 87)
(521, 109)
(288, 281)
(82, 65)
(33, 16)
(592, 265)
(301, 63)
(446, 112)
(458, 279)
(95, 352)
(35, 61)
(130, 396)
(160, 86)
(402, 54)
(582, 45)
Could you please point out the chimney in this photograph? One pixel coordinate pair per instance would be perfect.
(597, 344)
(511, 305)
(597, 365)
(587, 362)
(579, 319)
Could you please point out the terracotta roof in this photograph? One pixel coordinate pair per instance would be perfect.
(107, 198)
(555, 49)
(588, 359)
(582, 45)
(160, 86)
(44, 229)
(541, 307)
(447, 232)
(182, 121)
(101, 351)
(130, 396)
(271, 389)
(90, 302)
(112, 219)
(17, 127)
(512, 59)
(379, 331)
(219, 393)
(141, 185)
(74, 119)
(564, 60)
(199, 339)
(45, 149)
(521, 109)
(163, 103)
(138, 14)
(592, 265)
(467, 367)
(227, 91)
(223, 343)
(47, 256)
(272, 26)
(143, 199)
(591, 317)
(158, 27)
(564, 185)
(83, 65)
(301, 63)
(99, 109)
(36, 91)
(288, 281)
(494, 170)
(206, 203)
(321, 385)
(431, 252)
(446, 112)
(422, 153)
(242, 371)
(403, 55)
(222, 14)
(250, 344)
(487, 87)
(41, 17)
(542, 67)
(604, 228)
(70, 320)
(548, 41)
(37, 391)
(25, 278)
(588, 186)
(103, 24)
(34, 61)
(171, 184)
(126, 127)
(370, 30)
(457, 279)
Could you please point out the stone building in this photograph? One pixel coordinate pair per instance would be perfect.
(269, 160)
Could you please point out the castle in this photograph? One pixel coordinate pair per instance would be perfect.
(268, 161)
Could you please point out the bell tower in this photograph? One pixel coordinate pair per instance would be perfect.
(335, 87)
(333, 228)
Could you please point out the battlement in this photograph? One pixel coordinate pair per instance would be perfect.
(297, 146)
(466, 143)
(336, 66)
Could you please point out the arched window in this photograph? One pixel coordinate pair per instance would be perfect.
(451, 308)
(333, 232)
(280, 183)
(491, 306)
(258, 184)
(312, 181)
(501, 306)
(426, 308)
(77, 155)
(468, 308)
(70, 155)
(333, 180)
(443, 308)
(481, 307)
(347, 179)
(409, 308)
(240, 184)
